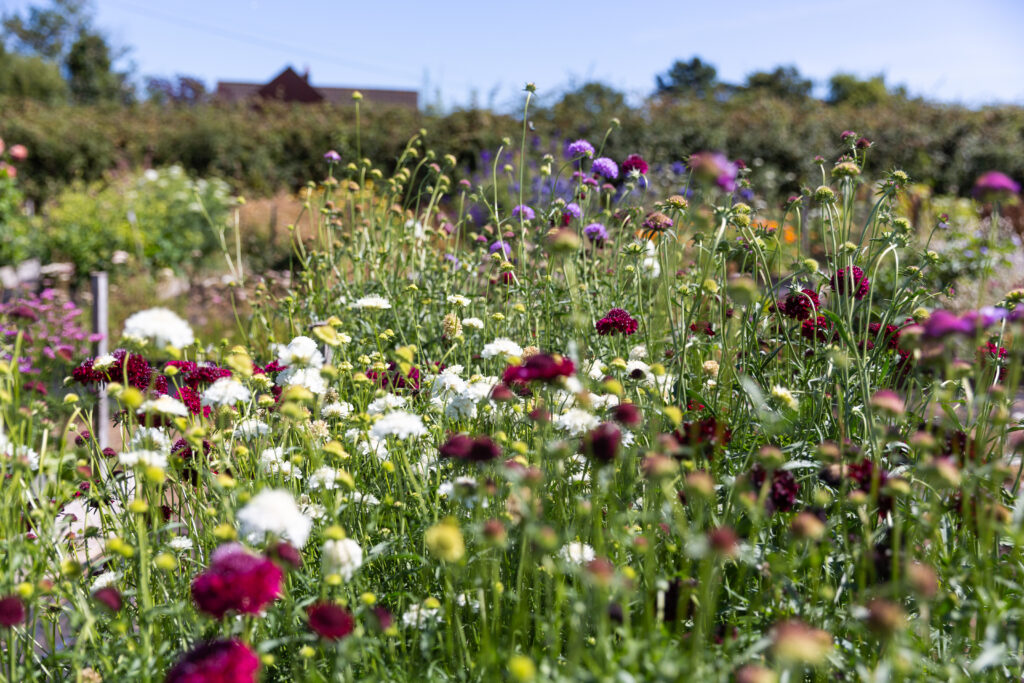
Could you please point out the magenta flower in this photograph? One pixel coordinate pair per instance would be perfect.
(617, 320)
(221, 661)
(330, 621)
(236, 580)
(634, 162)
(993, 185)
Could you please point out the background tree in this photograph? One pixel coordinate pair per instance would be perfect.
(846, 88)
(689, 79)
(90, 76)
(30, 78)
(187, 90)
(784, 82)
(47, 32)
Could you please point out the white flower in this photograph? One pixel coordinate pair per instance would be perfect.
(419, 616)
(419, 233)
(481, 387)
(104, 580)
(21, 452)
(160, 326)
(576, 421)
(324, 478)
(458, 300)
(577, 553)
(164, 405)
(595, 370)
(448, 382)
(603, 401)
(309, 378)
(463, 600)
(144, 458)
(274, 511)
(225, 392)
(342, 557)
(103, 363)
(638, 352)
(637, 369)
(501, 346)
(473, 323)
(272, 461)
(300, 352)
(337, 409)
(364, 498)
(400, 424)
(372, 302)
(385, 403)
(151, 439)
(251, 429)
(650, 264)
(785, 397)
(461, 406)
(180, 543)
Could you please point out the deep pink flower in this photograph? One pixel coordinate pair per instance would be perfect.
(634, 161)
(12, 611)
(782, 490)
(330, 621)
(221, 661)
(110, 598)
(236, 580)
(995, 185)
(462, 447)
(541, 367)
(816, 329)
(617, 320)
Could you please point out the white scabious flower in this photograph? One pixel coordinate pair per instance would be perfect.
(400, 424)
(502, 346)
(165, 405)
(473, 323)
(273, 461)
(151, 439)
(603, 401)
(342, 557)
(337, 410)
(310, 378)
(274, 512)
(251, 429)
(325, 478)
(104, 580)
(638, 352)
(650, 264)
(419, 616)
(458, 300)
(385, 403)
(301, 352)
(160, 326)
(225, 392)
(180, 543)
(576, 421)
(639, 370)
(448, 382)
(577, 553)
(143, 458)
(372, 302)
(461, 406)
(595, 370)
(20, 452)
(361, 498)
(481, 387)
(103, 363)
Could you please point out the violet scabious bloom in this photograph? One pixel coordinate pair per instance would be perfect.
(943, 324)
(236, 580)
(504, 247)
(617, 320)
(220, 661)
(634, 162)
(596, 232)
(606, 168)
(851, 280)
(715, 167)
(995, 185)
(573, 209)
(332, 157)
(579, 148)
(524, 212)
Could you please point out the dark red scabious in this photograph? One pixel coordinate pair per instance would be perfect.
(782, 491)
(704, 327)
(127, 367)
(394, 379)
(817, 329)
(12, 611)
(236, 580)
(890, 336)
(627, 414)
(602, 442)
(851, 280)
(286, 554)
(382, 618)
(540, 367)
(617, 320)
(993, 353)
(195, 375)
(467, 449)
(220, 661)
(865, 475)
(110, 598)
(634, 161)
(800, 305)
(502, 394)
(702, 437)
(271, 368)
(330, 621)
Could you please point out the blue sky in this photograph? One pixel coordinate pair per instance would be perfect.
(960, 51)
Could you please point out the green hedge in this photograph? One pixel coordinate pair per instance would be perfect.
(261, 150)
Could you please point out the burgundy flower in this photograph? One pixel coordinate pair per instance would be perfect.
(287, 555)
(127, 367)
(782, 491)
(394, 378)
(851, 280)
(602, 443)
(220, 661)
(703, 436)
(195, 375)
(382, 617)
(990, 352)
(12, 611)
(890, 336)
(816, 329)
(110, 598)
(330, 621)
(704, 327)
(236, 580)
(462, 447)
(627, 414)
(864, 475)
(634, 161)
(539, 367)
(799, 305)
(617, 320)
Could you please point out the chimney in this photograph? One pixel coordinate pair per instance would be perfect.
(305, 73)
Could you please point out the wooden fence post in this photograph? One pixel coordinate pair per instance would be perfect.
(100, 310)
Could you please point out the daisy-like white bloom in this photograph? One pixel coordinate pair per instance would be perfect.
(251, 429)
(650, 264)
(502, 346)
(20, 452)
(461, 406)
(310, 378)
(638, 352)
(225, 392)
(364, 498)
(104, 580)
(448, 383)
(301, 352)
(577, 553)
(324, 478)
(480, 387)
(342, 557)
(337, 410)
(152, 439)
(274, 512)
(143, 458)
(473, 323)
(160, 326)
(464, 600)
(180, 543)
(385, 403)
(372, 302)
(639, 370)
(419, 616)
(576, 421)
(458, 300)
(595, 370)
(165, 405)
(603, 401)
(399, 424)
(314, 511)
(103, 363)
(273, 461)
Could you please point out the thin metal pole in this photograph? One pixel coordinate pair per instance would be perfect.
(100, 311)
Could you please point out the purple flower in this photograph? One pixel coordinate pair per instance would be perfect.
(596, 232)
(332, 157)
(503, 247)
(579, 148)
(943, 324)
(995, 185)
(573, 209)
(525, 212)
(716, 167)
(606, 168)
(453, 259)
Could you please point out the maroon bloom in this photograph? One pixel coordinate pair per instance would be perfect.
(816, 329)
(866, 476)
(991, 353)
(703, 436)
(617, 320)
(110, 598)
(627, 414)
(12, 611)
(539, 367)
(634, 161)
(329, 621)
(127, 367)
(195, 375)
(602, 443)
(799, 305)
(220, 661)
(394, 379)
(287, 555)
(851, 280)
(782, 490)
(462, 447)
(236, 580)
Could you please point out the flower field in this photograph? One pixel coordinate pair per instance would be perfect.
(556, 421)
